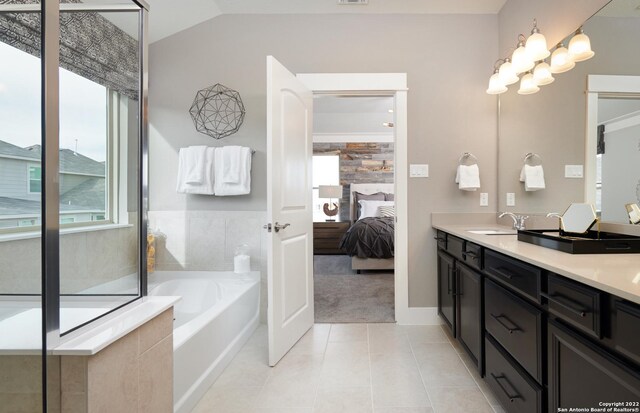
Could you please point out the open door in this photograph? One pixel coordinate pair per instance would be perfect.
(289, 211)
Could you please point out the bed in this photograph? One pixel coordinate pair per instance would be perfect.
(369, 241)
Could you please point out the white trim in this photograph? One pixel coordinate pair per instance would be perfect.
(387, 84)
(352, 137)
(596, 85)
(623, 122)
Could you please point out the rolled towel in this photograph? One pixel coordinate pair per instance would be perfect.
(469, 179)
(533, 178)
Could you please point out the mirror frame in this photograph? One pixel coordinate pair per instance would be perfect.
(601, 86)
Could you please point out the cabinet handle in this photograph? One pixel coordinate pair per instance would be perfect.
(504, 273)
(510, 396)
(440, 239)
(509, 329)
(565, 303)
(472, 254)
(449, 280)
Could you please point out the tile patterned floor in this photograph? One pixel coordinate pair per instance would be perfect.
(353, 368)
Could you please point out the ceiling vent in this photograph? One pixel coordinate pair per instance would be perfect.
(345, 2)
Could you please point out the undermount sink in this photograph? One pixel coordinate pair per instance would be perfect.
(493, 231)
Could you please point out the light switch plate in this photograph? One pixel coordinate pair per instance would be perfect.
(511, 199)
(484, 199)
(573, 171)
(418, 170)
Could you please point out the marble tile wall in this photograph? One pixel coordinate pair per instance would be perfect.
(206, 241)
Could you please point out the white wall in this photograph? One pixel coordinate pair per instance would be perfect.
(447, 59)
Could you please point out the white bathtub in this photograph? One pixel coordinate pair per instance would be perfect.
(217, 314)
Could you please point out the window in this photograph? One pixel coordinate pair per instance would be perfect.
(326, 171)
(35, 179)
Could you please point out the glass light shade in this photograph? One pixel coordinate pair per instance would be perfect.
(507, 74)
(561, 61)
(528, 85)
(495, 85)
(521, 61)
(537, 47)
(542, 74)
(580, 47)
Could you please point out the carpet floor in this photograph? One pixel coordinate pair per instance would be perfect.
(342, 296)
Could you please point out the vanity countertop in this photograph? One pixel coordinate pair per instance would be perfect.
(617, 274)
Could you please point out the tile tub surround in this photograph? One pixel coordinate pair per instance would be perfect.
(617, 274)
(380, 368)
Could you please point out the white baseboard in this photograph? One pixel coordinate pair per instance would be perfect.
(426, 316)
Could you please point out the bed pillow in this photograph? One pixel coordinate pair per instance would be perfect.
(387, 211)
(369, 209)
(357, 197)
(389, 197)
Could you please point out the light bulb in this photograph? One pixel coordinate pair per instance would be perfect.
(537, 44)
(560, 60)
(528, 85)
(580, 47)
(495, 84)
(506, 73)
(542, 74)
(520, 60)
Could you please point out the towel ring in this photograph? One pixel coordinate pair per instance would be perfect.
(528, 157)
(467, 156)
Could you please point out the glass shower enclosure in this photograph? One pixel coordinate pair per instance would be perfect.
(73, 181)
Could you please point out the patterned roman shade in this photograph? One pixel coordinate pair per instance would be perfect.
(90, 46)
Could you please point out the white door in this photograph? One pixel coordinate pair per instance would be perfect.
(289, 212)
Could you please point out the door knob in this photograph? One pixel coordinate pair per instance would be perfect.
(277, 227)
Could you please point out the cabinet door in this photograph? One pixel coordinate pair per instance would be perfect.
(469, 296)
(446, 290)
(583, 375)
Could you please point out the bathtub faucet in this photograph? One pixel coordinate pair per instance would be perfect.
(518, 220)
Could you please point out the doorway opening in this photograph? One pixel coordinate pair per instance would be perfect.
(353, 208)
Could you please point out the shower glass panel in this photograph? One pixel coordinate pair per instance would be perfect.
(99, 162)
(21, 355)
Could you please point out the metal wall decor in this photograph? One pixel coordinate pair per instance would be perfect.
(217, 111)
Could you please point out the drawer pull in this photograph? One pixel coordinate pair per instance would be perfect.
(440, 239)
(471, 254)
(504, 273)
(511, 397)
(511, 330)
(565, 303)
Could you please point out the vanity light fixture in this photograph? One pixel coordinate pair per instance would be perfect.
(560, 60)
(506, 73)
(536, 45)
(542, 74)
(520, 59)
(580, 47)
(528, 85)
(496, 86)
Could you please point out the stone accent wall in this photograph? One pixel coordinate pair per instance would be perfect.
(361, 163)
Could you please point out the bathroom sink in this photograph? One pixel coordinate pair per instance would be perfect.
(493, 231)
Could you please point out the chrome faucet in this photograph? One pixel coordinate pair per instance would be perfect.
(518, 220)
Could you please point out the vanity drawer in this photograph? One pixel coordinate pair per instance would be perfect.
(575, 303)
(441, 239)
(626, 329)
(516, 392)
(455, 246)
(516, 325)
(522, 277)
(472, 255)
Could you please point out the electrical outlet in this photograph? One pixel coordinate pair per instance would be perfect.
(418, 171)
(484, 199)
(573, 171)
(511, 199)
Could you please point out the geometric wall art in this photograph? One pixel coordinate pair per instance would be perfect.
(217, 111)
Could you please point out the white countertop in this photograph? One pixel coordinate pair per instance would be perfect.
(618, 274)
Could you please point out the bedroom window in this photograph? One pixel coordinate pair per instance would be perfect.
(326, 171)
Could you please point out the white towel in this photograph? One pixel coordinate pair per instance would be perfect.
(206, 187)
(533, 177)
(231, 162)
(193, 164)
(243, 186)
(468, 177)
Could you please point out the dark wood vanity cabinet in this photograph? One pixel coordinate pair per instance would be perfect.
(460, 294)
(541, 341)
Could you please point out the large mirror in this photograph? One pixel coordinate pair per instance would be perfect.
(553, 124)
